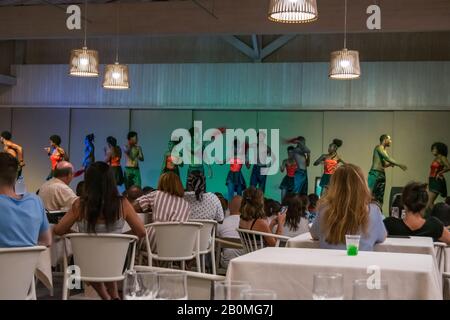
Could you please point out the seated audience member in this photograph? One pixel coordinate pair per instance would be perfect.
(346, 209)
(133, 193)
(271, 209)
(204, 205)
(80, 188)
(253, 216)
(167, 203)
(23, 222)
(312, 207)
(228, 230)
(56, 193)
(296, 222)
(377, 203)
(415, 200)
(441, 211)
(223, 202)
(101, 209)
(147, 190)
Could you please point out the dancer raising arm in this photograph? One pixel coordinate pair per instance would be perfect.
(13, 149)
(56, 153)
(302, 158)
(330, 163)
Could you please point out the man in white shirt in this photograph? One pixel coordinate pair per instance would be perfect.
(56, 193)
(228, 230)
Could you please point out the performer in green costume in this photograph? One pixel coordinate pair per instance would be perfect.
(381, 161)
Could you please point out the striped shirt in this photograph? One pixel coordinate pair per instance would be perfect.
(165, 208)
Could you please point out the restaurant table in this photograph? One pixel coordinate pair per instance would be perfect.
(290, 271)
(420, 245)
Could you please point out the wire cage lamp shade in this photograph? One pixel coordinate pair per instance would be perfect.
(344, 65)
(116, 77)
(84, 63)
(293, 11)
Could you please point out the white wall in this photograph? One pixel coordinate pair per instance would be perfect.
(256, 86)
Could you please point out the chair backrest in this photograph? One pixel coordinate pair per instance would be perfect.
(176, 240)
(395, 191)
(254, 240)
(102, 256)
(200, 285)
(440, 251)
(207, 234)
(17, 266)
(250, 241)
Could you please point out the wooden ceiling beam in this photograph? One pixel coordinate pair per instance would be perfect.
(234, 17)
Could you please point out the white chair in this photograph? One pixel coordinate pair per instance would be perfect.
(99, 257)
(17, 267)
(440, 250)
(200, 285)
(207, 242)
(441, 256)
(254, 240)
(225, 243)
(175, 241)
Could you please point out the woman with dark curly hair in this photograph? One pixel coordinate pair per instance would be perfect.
(330, 163)
(440, 165)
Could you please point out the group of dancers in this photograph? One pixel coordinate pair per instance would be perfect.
(295, 165)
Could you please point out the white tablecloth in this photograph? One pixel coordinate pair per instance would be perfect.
(421, 245)
(289, 271)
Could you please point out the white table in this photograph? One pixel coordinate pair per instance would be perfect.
(290, 271)
(420, 245)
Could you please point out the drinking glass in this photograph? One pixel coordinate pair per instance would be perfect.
(328, 286)
(362, 290)
(352, 244)
(139, 285)
(230, 290)
(258, 294)
(172, 286)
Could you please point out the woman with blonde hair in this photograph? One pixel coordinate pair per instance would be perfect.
(166, 204)
(253, 216)
(347, 210)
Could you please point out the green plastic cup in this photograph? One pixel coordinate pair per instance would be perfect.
(352, 243)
